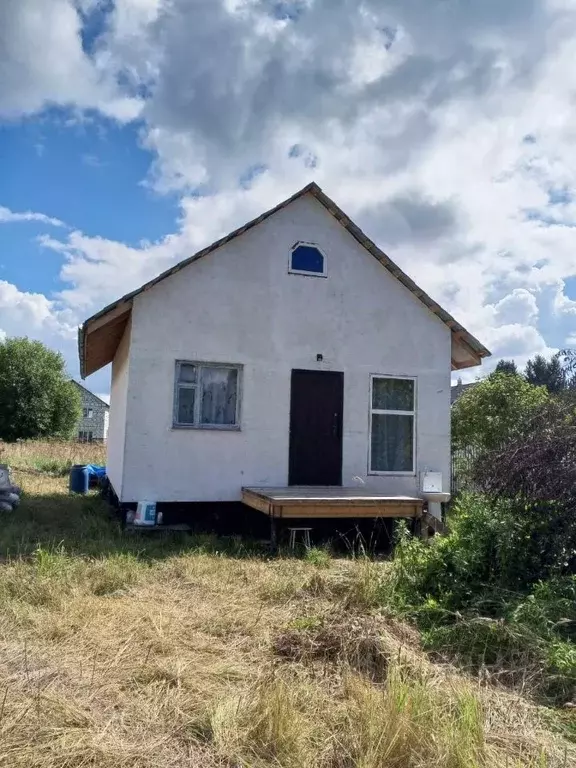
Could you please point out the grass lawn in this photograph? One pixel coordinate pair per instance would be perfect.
(140, 651)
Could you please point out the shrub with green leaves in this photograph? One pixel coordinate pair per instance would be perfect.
(37, 399)
(495, 594)
(494, 411)
(492, 545)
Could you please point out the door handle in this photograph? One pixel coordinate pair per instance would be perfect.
(335, 421)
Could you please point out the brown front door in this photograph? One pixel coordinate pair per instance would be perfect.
(316, 408)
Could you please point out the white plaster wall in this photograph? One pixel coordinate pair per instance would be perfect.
(115, 446)
(240, 305)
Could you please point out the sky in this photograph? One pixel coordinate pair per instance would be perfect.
(134, 132)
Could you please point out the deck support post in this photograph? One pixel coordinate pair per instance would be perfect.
(423, 528)
(273, 533)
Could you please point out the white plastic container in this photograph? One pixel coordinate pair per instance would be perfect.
(145, 513)
(4, 476)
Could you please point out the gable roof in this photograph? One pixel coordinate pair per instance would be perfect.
(99, 336)
(457, 390)
(84, 389)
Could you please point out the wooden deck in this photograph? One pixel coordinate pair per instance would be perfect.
(314, 502)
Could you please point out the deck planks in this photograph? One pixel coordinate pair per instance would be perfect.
(328, 502)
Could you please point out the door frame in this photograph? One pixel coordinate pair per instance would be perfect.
(340, 423)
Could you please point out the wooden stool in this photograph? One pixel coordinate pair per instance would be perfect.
(305, 537)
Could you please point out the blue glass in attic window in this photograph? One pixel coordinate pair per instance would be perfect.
(307, 258)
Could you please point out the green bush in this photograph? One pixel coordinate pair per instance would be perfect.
(318, 557)
(37, 399)
(550, 608)
(494, 411)
(494, 594)
(482, 642)
(493, 545)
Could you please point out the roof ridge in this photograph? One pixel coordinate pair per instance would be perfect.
(78, 384)
(467, 339)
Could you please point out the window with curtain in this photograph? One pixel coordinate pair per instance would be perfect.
(207, 395)
(392, 424)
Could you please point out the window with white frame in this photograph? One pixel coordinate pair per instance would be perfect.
(392, 425)
(88, 413)
(207, 395)
(307, 259)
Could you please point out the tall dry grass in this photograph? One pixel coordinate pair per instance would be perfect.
(124, 651)
(51, 456)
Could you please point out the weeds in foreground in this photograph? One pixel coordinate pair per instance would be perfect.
(133, 651)
(130, 662)
(411, 721)
(455, 591)
(318, 557)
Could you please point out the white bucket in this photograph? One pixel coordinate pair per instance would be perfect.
(145, 513)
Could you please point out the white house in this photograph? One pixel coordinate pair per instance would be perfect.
(292, 352)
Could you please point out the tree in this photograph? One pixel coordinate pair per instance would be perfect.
(535, 473)
(494, 411)
(538, 464)
(547, 373)
(37, 399)
(506, 366)
(568, 358)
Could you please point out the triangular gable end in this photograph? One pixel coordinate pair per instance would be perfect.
(99, 336)
(89, 392)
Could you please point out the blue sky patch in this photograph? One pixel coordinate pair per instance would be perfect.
(94, 24)
(250, 174)
(20, 262)
(559, 196)
(309, 159)
(288, 10)
(90, 175)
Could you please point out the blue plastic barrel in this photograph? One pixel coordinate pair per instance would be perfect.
(79, 478)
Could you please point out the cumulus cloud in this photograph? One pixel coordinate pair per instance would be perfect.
(371, 73)
(563, 305)
(24, 313)
(517, 340)
(410, 217)
(444, 128)
(21, 311)
(520, 306)
(42, 62)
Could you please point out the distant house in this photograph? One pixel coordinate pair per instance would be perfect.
(457, 390)
(292, 354)
(93, 423)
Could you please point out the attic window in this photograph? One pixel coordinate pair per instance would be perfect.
(307, 259)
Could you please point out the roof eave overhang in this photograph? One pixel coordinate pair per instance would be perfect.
(464, 355)
(98, 337)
